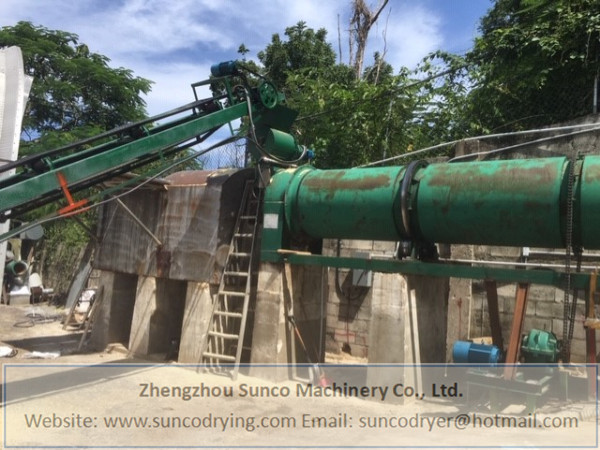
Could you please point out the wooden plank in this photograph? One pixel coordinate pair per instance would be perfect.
(76, 289)
(590, 336)
(491, 289)
(514, 342)
(91, 316)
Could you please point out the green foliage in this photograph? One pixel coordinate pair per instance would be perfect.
(349, 122)
(352, 124)
(73, 87)
(535, 62)
(442, 99)
(69, 233)
(74, 95)
(304, 48)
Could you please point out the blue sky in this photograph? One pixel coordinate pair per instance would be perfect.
(174, 42)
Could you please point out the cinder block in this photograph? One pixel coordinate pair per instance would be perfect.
(549, 310)
(504, 252)
(542, 293)
(364, 312)
(383, 246)
(537, 323)
(578, 350)
(360, 351)
(578, 328)
(345, 336)
(361, 339)
(557, 327)
(360, 326)
(333, 309)
(510, 302)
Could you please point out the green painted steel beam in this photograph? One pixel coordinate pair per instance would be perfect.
(100, 164)
(412, 267)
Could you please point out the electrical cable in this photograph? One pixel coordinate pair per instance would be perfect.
(267, 157)
(524, 144)
(592, 127)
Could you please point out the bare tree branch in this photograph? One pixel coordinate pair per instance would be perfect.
(384, 52)
(339, 40)
(361, 22)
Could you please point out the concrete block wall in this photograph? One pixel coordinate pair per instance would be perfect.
(544, 306)
(348, 315)
(349, 307)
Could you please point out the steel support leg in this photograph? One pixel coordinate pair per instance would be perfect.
(517, 328)
(590, 336)
(491, 289)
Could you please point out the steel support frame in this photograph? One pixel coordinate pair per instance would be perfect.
(514, 343)
(103, 163)
(491, 288)
(491, 275)
(413, 267)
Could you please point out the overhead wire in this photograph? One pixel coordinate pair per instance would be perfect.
(588, 128)
(523, 144)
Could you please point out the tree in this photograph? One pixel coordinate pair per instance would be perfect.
(304, 48)
(338, 118)
(347, 120)
(356, 123)
(74, 93)
(361, 22)
(534, 63)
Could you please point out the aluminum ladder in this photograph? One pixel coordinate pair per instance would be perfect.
(225, 337)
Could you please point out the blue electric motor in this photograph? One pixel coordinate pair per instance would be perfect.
(223, 69)
(469, 352)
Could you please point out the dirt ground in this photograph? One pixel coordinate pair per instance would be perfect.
(66, 389)
(38, 328)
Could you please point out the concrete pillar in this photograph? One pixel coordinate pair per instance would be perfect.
(389, 310)
(274, 340)
(157, 316)
(196, 319)
(113, 320)
(430, 297)
(145, 308)
(459, 303)
(408, 319)
(408, 326)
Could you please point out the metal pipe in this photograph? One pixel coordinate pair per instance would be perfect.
(138, 221)
(595, 101)
(510, 263)
(538, 253)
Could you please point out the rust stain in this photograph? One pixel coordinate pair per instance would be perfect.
(190, 177)
(163, 261)
(336, 181)
(508, 178)
(591, 173)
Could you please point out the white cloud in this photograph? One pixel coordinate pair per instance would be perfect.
(172, 86)
(174, 42)
(412, 32)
